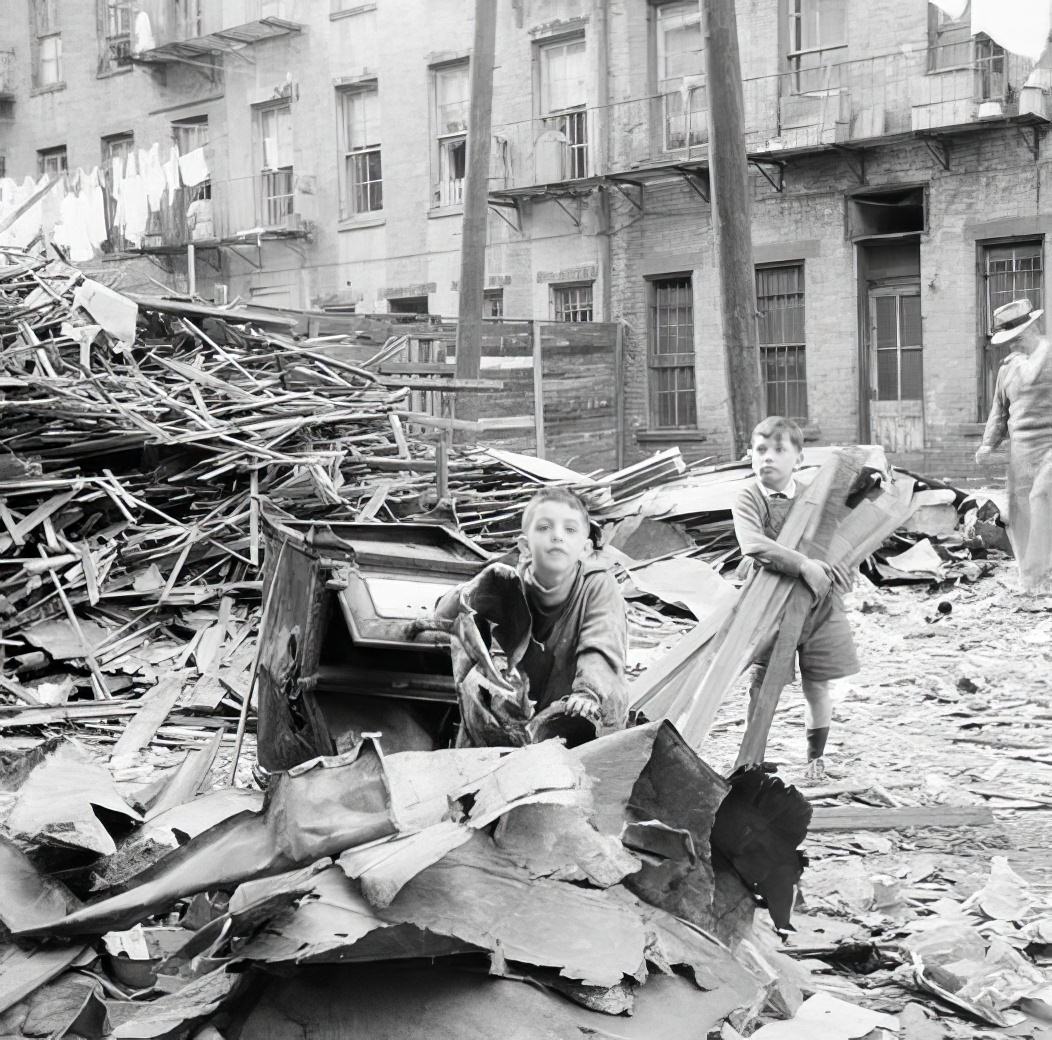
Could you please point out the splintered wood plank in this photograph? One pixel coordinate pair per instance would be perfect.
(759, 607)
(867, 818)
(155, 709)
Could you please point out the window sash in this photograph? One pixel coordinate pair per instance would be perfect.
(49, 60)
(277, 195)
(275, 137)
(364, 174)
(360, 119)
(572, 303)
(52, 162)
(670, 355)
(118, 18)
(452, 99)
(563, 78)
(679, 42)
(452, 170)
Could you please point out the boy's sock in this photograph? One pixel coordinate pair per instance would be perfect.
(816, 742)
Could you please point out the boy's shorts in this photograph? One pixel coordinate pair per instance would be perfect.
(827, 647)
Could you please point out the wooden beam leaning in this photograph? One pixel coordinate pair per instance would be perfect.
(763, 599)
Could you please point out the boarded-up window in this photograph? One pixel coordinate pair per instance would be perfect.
(780, 303)
(671, 355)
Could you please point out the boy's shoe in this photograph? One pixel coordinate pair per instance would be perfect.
(815, 773)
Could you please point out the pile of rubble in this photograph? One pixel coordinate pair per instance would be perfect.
(145, 444)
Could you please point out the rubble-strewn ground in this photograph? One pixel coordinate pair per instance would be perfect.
(949, 709)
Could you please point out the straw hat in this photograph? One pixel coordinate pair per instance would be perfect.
(1011, 319)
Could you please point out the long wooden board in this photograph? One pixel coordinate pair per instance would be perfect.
(867, 818)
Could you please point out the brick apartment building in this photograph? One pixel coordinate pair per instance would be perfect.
(899, 167)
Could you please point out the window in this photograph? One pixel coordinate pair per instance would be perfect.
(52, 161)
(452, 92)
(493, 303)
(564, 95)
(274, 156)
(408, 305)
(670, 358)
(115, 152)
(115, 20)
(780, 303)
(572, 302)
(188, 18)
(990, 81)
(897, 324)
(1010, 271)
(361, 177)
(817, 43)
(949, 39)
(679, 54)
(188, 135)
(46, 43)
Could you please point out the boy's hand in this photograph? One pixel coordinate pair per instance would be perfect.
(818, 577)
(843, 577)
(583, 705)
(983, 454)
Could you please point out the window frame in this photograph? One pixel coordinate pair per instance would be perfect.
(275, 185)
(796, 52)
(570, 304)
(57, 152)
(784, 348)
(448, 191)
(115, 42)
(571, 121)
(45, 29)
(352, 157)
(191, 123)
(990, 357)
(679, 360)
(669, 89)
(489, 297)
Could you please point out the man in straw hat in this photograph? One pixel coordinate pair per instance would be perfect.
(1022, 411)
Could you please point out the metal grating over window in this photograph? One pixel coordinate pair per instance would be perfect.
(1010, 271)
(780, 303)
(572, 302)
(673, 402)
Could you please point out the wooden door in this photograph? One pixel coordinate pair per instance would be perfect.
(897, 369)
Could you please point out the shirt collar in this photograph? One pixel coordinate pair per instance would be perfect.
(789, 490)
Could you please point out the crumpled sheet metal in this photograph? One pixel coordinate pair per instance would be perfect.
(57, 794)
(371, 1001)
(315, 810)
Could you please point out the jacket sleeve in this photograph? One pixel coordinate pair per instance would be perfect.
(997, 422)
(754, 543)
(602, 646)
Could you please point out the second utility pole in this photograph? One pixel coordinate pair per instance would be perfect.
(476, 206)
(729, 177)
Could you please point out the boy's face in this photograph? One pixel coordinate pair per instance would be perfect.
(557, 539)
(773, 460)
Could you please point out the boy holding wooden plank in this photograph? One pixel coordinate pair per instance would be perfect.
(826, 650)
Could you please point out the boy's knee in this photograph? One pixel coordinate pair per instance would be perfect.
(815, 689)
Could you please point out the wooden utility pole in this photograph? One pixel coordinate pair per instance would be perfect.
(729, 183)
(476, 198)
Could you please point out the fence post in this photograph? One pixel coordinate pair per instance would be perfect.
(538, 389)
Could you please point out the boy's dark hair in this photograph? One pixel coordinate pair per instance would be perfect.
(555, 494)
(775, 425)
